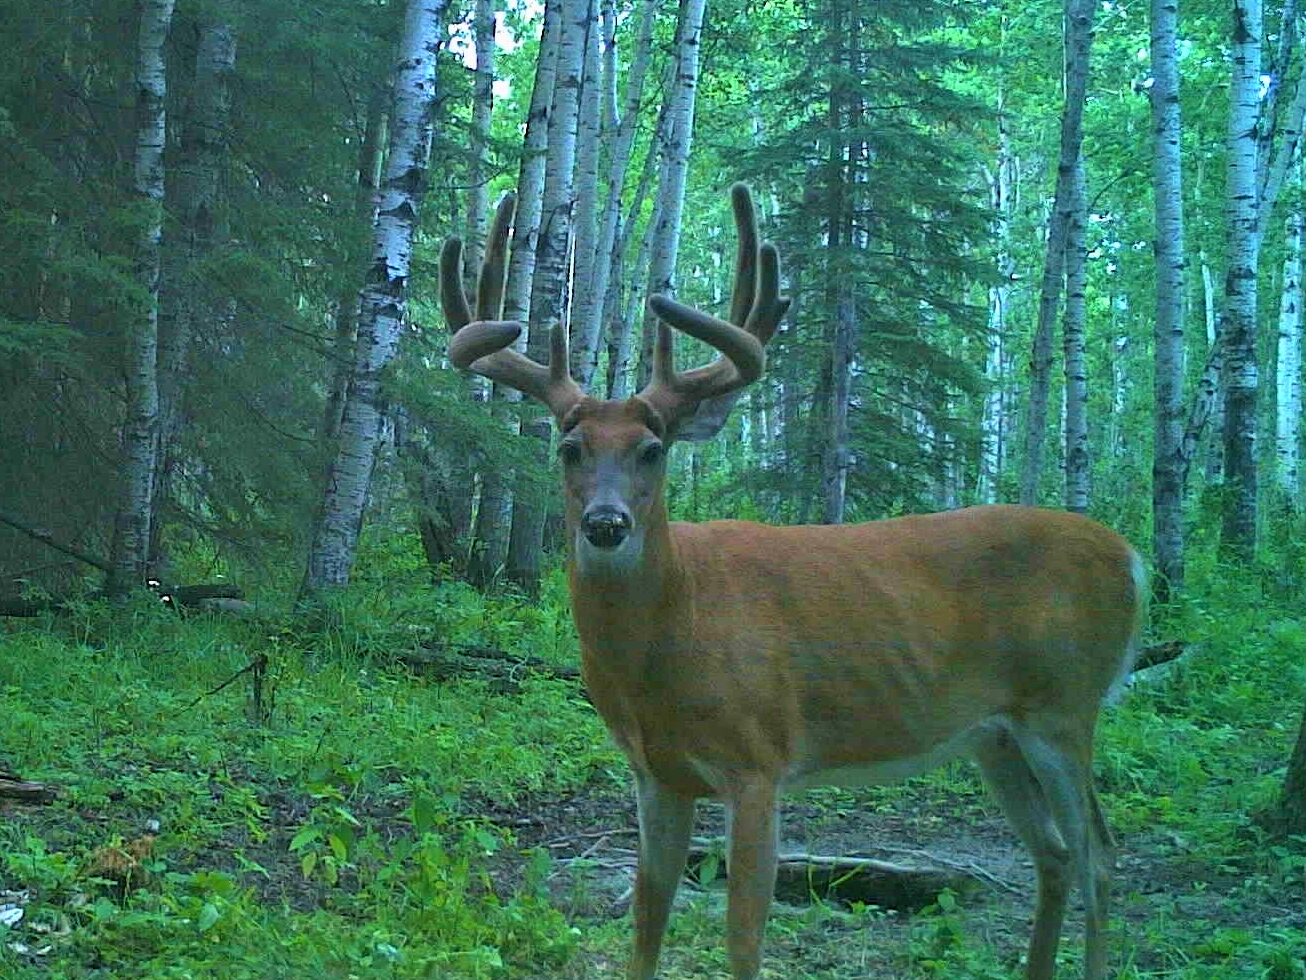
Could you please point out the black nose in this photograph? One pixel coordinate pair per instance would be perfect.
(605, 527)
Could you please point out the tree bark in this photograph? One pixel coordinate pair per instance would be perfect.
(1002, 188)
(1238, 524)
(1288, 364)
(1073, 332)
(675, 167)
(383, 302)
(549, 279)
(371, 157)
(1168, 330)
(586, 303)
(139, 460)
(494, 517)
(1078, 42)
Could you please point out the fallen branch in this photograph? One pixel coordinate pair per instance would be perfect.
(46, 538)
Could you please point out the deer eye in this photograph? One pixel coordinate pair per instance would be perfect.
(569, 453)
(650, 454)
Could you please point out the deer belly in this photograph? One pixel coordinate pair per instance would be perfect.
(809, 772)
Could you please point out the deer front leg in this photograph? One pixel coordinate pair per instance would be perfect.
(753, 853)
(666, 820)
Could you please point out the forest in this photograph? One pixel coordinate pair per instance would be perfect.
(289, 679)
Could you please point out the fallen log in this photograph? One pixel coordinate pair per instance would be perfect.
(13, 787)
(800, 878)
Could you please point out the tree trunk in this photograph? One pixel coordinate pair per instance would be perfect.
(1288, 402)
(194, 204)
(585, 303)
(838, 451)
(1078, 41)
(675, 167)
(548, 283)
(371, 156)
(383, 302)
(139, 461)
(1073, 331)
(1238, 525)
(1002, 188)
(1292, 800)
(618, 136)
(490, 541)
(1168, 331)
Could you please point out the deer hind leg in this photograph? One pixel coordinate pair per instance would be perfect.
(1017, 790)
(752, 856)
(666, 821)
(1061, 760)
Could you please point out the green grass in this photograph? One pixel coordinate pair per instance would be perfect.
(347, 831)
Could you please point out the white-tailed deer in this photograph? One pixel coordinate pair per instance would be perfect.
(737, 660)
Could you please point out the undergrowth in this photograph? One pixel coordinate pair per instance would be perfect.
(340, 825)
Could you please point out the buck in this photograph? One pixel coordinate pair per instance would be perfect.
(738, 660)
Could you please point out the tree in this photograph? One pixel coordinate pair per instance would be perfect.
(677, 137)
(140, 428)
(1078, 30)
(549, 274)
(1288, 362)
(383, 301)
(1243, 207)
(1168, 333)
(1074, 329)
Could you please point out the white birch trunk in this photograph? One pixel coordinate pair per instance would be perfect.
(494, 516)
(1288, 387)
(675, 167)
(1238, 527)
(1078, 41)
(548, 282)
(1002, 189)
(1168, 331)
(139, 459)
(618, 136)
(586, 303)
(383, 301)
(1073, 344)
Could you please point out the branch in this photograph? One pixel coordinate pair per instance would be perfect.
(47, 539)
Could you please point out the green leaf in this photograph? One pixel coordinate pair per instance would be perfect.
(209, 916)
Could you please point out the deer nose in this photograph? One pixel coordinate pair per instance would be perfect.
(605, 526)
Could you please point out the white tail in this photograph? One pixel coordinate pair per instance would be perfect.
(738, 660)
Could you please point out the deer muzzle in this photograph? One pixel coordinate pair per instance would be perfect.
(605, 526)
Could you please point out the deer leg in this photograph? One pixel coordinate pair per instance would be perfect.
(666, 820)
(1061, 760)
(1018, 792)
(753, 852)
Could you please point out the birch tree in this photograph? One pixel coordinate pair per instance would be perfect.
(1078, 34)
(1288, 363)
(548, 281)
(1002, 181)
(1168, 330)
(494, 516)
(674, 168)
(1238, 525)
(383, 301)
(1074, 327)
(139, 460)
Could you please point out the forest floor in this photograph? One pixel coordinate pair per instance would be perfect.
(359, 821)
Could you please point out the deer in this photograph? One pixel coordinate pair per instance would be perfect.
(739, 661)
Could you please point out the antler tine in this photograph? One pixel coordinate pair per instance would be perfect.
(756, 311)
(483, 345)
(489, 285)
(741, 300)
